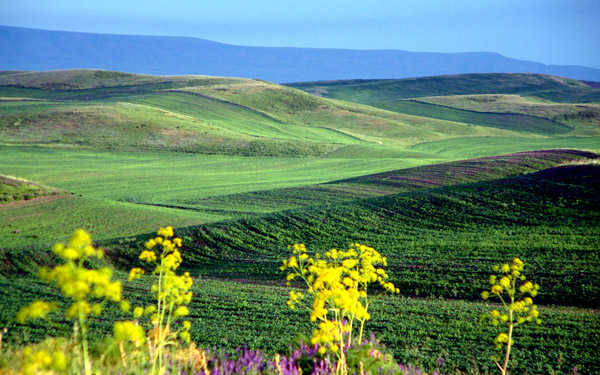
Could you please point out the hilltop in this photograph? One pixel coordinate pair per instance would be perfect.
(553, 88)
(33, 49)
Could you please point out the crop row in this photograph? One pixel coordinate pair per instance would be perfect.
(440, 242)
(228, 314)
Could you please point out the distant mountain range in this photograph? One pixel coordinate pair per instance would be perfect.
(33, 49)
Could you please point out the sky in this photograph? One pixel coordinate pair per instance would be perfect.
(562, 32)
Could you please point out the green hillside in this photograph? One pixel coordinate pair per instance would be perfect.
(233, 116)
(551, 88)
(509, 121)
(438, 241)
(394, 182)
(525, 103)
(167, 188)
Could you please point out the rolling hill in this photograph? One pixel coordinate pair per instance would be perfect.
(553, 88)
(32, 49)
(117, 123)
(211, 115)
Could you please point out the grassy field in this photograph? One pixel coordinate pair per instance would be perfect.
(509, 121)
(478, 147)
(163, 188)
(420, 169)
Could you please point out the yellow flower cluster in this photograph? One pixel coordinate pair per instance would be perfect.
(171, 292)
(502, 338)
(506, 281)
(129, 331)
(330, 333)
(37, 309)
(136, 273)
(43, 362)
(82, 286)
(515, 293)
(75, 281)
(79, 246)
(338, 283)
(172, 288)
(169, 255)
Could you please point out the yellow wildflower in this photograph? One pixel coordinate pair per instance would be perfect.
(128, 331)
(37, 309)
(148, 256)
(181, 311)
(496, 289)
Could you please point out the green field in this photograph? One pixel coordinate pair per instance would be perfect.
(163, 188)
(445, 176)
(416, 330)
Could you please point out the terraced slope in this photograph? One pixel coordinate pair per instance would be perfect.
(439, 241)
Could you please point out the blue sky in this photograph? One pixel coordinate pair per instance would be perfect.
(564, 32)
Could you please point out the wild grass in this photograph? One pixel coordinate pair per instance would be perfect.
(17, 189)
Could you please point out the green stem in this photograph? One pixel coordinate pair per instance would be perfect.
(84, 344)
(510, 327)
(339, 370)
(362, 324)
(362, 321)
(508, 345)
(351, 323)
(160, 316)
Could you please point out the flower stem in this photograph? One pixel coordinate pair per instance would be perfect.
(508, 344)
(84, 344)
(159, 330)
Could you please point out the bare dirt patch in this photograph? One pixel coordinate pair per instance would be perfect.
(34, 201)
